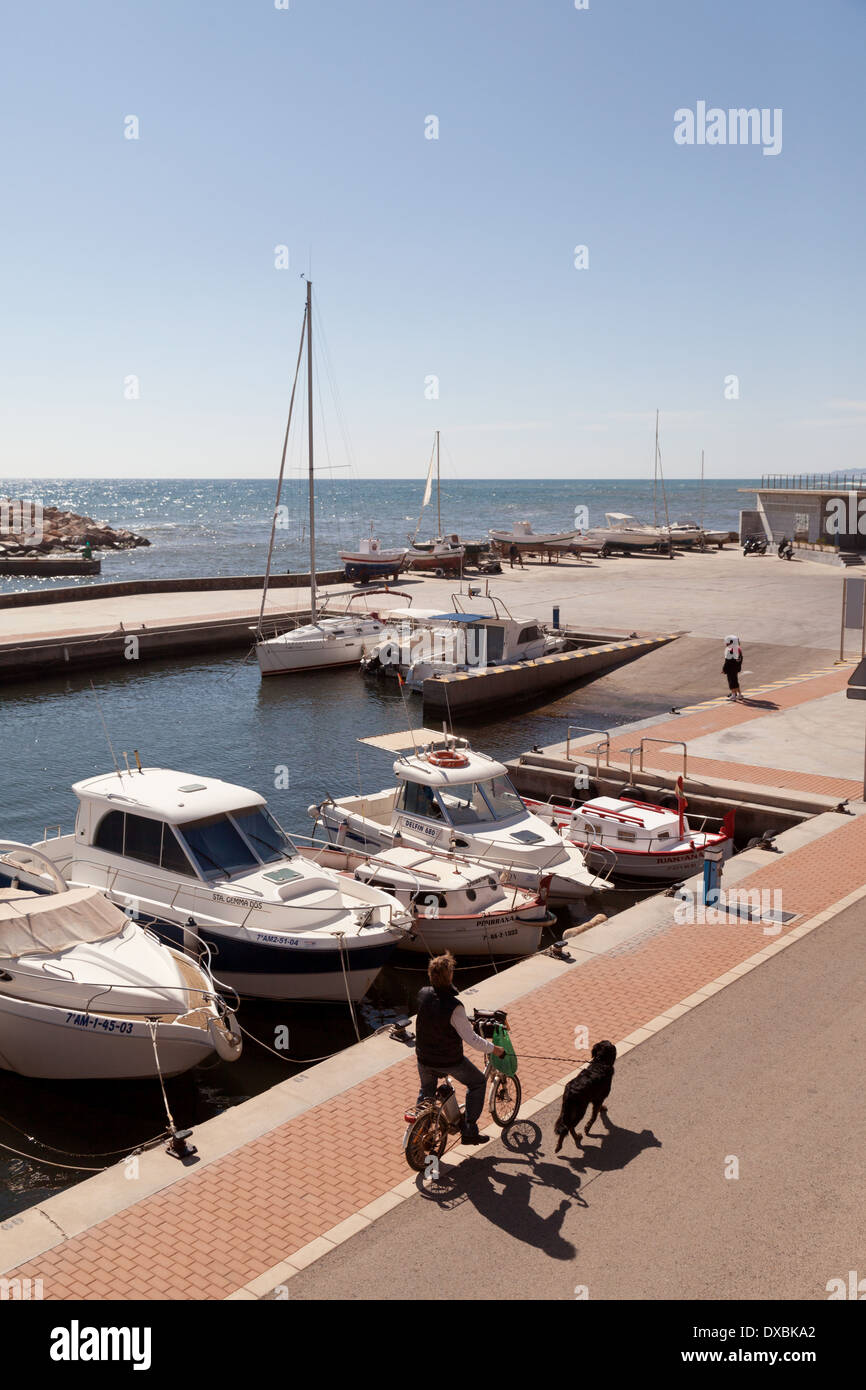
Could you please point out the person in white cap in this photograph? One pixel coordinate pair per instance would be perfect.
(733, 666)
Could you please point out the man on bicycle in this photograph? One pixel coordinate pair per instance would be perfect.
(441, 1029)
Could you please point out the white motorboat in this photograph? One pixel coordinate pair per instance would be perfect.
(640, 839)
(196, 854)
(456, 905)
(451, 798)
(441, 643)
(87, 994)
(624, 532)
(523, 536)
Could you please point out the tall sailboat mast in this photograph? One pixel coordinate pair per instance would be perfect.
(656, 476)
(702, 490)
(438, 489)
(313, 613)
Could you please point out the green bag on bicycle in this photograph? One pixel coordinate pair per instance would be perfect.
(507, 1064)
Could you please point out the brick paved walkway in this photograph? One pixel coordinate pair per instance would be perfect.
(212, 1232)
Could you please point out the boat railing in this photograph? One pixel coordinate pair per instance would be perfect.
(667, 742)
(46, 828)
(595, 748)
(204, 996)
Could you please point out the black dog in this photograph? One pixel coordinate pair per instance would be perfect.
(591, 1087)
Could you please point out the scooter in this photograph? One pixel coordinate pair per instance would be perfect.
(755, 545)
(786, 549)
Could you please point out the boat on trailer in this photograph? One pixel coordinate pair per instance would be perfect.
(455, 905)
(202, 858)
(86, 994)
(453, 799)
(638, 839)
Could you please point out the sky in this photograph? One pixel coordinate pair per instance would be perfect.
(149, 331)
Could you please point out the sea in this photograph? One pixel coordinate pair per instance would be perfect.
(213, 715)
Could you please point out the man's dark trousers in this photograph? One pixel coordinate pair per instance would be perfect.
(469, 1076)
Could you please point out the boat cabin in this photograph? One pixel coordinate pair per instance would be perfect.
(628, 825)
(198, 827)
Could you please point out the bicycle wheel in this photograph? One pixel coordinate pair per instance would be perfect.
(427, 1136)
(505, 1094)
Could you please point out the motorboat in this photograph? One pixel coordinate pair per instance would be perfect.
(460, 640)
(456, 905)
(637, 839)
(525, 539)
(372, 561)
(450, 798)
(338, 640)
(626, 533)
(87, 994)
(198, 855)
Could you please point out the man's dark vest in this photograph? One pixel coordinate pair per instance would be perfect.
(437, 1044)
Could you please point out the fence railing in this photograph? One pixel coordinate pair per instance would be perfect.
(816, 482)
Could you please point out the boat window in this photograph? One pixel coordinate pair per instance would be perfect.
(109, 833)
(263, 833)
(143, 839)
(173, 857)
(625, 835)
(502, 799)
(464, 804)
(417, 800)
(217, 848)
(488, 643)
(529, 634)
(663, 835)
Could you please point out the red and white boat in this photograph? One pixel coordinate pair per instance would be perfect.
(637, 839)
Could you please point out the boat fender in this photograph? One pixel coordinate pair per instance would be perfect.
(225, 1034)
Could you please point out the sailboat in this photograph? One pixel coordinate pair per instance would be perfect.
(444, 555)
(326, 640)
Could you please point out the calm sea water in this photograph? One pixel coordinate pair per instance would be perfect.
(222, 527)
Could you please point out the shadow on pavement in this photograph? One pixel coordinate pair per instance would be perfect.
(500, 1186)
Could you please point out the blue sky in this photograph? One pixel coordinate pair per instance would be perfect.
(453, 257)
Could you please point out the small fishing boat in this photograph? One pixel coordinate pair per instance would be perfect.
(450, 798)
(444, 555)
(86, 994)
(639, 839)
(455, 905)
(202, 857)
(370, 561)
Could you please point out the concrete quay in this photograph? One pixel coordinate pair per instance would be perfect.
(296, 1191)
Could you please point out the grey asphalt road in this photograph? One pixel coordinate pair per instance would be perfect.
(767, 1078)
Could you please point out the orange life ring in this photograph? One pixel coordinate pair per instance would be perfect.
(448, 759)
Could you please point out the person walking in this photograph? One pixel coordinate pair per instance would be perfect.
(733, 664)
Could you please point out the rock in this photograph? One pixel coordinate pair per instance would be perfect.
(65, 531)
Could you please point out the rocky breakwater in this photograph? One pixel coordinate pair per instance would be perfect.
(28, 528)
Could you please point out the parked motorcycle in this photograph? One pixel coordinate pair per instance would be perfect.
(786, 549)
(755, 545)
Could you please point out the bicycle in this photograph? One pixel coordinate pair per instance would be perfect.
(434, 1120)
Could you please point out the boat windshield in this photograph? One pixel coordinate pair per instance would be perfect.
(264, 834)
(502, 799)
(219, 849)
(466, 803)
